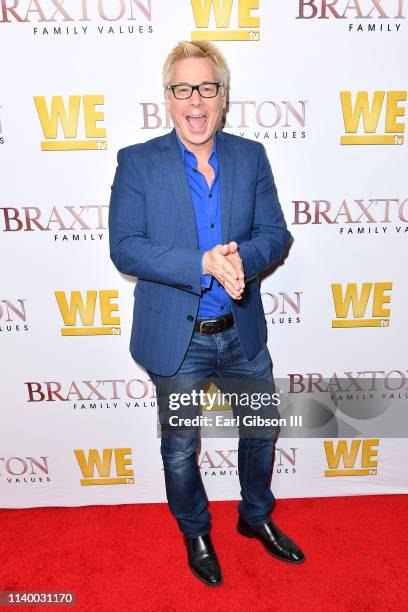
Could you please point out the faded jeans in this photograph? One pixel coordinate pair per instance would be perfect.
(216, 357)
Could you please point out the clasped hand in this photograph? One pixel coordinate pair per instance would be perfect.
(224, 263)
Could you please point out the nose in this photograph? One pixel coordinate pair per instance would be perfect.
(195, 98)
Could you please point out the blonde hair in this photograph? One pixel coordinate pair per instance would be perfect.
(198, 48)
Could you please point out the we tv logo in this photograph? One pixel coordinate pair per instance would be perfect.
(79, 313)
(355, 458)
(78, 112)
(362, 118)
(352, 305)
(113, 467)
(246, 23)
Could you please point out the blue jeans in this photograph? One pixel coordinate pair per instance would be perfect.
(218, 357)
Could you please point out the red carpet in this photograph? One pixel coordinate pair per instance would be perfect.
(132, 557)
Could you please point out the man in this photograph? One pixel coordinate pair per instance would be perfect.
(195, 216)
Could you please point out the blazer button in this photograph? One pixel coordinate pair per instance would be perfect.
(190, 317)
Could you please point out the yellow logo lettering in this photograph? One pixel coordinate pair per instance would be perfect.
(357, 303)
(58, 115)
(103, 466)
(346, 454)
(79, 314)
(366, 114)
(248, 23)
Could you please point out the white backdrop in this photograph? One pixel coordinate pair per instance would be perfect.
(78, 416)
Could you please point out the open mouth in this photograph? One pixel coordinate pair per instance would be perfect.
(197, 122)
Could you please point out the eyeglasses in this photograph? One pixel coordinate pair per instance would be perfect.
(185, 91)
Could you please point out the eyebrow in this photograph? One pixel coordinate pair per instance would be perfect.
(202, 83)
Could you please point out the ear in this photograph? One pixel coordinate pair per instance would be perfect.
(224, 100)
(166, 96)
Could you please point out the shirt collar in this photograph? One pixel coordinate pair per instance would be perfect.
(184, 150)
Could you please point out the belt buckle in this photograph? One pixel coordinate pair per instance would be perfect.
(202, 323)
(201, 327)
(224, 320)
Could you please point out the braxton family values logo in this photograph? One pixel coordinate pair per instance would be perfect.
(93, 395)
(224, 462)
(56, 18)
(348, 404)
(362, 217)
(65, 224)
(24, 470)
(358, 15)
(257, 119)
(282, 307)
(13, 316)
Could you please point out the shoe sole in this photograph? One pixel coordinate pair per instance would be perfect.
(213, 584)
(251, 535)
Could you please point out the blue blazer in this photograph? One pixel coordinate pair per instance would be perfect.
(153, 236)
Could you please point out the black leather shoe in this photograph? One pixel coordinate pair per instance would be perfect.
(274, 540)
(202, 559)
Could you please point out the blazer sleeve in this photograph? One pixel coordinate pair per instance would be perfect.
(130, 249)
(269, 235)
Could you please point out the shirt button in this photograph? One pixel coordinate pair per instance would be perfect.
(194, 169)
(210, 195)
(212, 225)
(190, 317)
(222, 307)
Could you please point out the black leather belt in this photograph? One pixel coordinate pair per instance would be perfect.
(214, 325)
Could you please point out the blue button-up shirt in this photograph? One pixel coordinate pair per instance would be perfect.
(206, 200)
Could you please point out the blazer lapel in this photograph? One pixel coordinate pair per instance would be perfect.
(174, 168)
(226, 169)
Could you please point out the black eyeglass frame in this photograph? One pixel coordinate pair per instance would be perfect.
(193, 87)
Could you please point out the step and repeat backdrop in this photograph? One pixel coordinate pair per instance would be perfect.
(322, 86)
